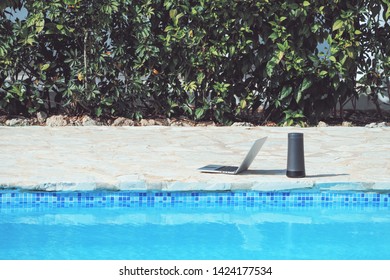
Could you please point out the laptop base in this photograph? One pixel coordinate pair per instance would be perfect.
(212, 168)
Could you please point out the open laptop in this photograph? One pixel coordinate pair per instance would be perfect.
(254, 150)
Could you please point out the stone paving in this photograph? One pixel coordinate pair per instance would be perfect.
(167, 158)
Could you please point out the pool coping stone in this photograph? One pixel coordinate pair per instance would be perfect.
(159, 158)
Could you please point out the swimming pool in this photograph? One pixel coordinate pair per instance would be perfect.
(194, 225)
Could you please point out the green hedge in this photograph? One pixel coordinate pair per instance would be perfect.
(222, 60)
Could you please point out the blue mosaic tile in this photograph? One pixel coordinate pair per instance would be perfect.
(239, 199)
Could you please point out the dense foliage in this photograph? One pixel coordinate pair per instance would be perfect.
(224, 60)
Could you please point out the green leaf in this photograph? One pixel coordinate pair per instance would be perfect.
(304, 86)
(3, 51)
(323, 73)
(270, 67)
(219, 100)
(282, 18)
(273, 36)
(200, 77)
(286, 91)
(199, 113)
(98, 111)
(332, 58)
(273, 62)
(30, 40)
(39, 25)
(299, 96)
(190, 87)
(45, 66)
(350, 52)
(337, 25)
(172, 13)
(281, 46)
(315, 27)
(232, 50)
(176, 18)
(71, 2)
(306, 3)
(243, 104)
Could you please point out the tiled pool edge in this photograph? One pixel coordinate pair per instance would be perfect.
(136, 194)
(204, 186)
(17, 199)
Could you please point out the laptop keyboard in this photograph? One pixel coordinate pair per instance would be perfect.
(228, 168)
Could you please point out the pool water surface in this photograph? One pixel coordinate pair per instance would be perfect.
(194, 225)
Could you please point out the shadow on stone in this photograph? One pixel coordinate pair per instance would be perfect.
(265, 172)
(283, 172)
(326, 175)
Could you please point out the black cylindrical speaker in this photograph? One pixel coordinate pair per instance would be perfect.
(295, 156)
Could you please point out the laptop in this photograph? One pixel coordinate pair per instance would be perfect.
(254, 150)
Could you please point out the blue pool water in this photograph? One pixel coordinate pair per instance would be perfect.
(194, 225)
